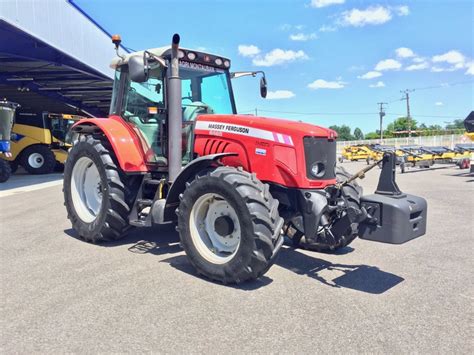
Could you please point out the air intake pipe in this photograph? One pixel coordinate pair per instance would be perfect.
(175, 118)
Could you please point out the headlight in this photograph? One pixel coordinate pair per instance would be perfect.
(318, 169)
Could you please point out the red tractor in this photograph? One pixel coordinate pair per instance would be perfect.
(174, 150)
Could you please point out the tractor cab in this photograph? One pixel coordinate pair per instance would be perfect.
(141, 96)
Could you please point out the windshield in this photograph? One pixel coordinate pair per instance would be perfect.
(60, 128)
(205, 89)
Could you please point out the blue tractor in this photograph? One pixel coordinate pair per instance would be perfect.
(7, 115)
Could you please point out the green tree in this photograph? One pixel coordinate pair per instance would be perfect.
(401, 124)
(456, 124)
(343, 132)
(358, 134)
(372, 135)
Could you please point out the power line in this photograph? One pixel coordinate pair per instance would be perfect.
(444, 85)
(344, 113)
(316, 113)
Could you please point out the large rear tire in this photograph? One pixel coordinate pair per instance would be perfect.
(38, 159)
(94, 192)
(229, 225)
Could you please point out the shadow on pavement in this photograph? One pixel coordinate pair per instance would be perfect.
(156, 240)
(412, 169)
(364, 278)
(182, 263)
(161, 240)
(464, 174)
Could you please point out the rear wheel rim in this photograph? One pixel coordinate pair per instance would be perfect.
(215, 228)
(86, 189)
(36, 160)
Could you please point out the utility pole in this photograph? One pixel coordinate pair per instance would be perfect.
(407, 98)
(256, 111)
(381, 114)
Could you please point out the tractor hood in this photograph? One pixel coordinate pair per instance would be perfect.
(248, 123)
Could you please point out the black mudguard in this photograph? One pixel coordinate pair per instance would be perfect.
(164, 211)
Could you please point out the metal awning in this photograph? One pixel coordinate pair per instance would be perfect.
(42, 78)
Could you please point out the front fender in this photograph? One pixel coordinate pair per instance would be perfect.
(124, 141)
(188, 173)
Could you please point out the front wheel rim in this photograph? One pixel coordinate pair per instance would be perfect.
(215, 228)
(86, 189)
(36, 160)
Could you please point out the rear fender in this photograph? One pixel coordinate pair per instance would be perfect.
(124, 141)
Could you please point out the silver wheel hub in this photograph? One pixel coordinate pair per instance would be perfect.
(86, 189)
(215, 228)
(36, 160)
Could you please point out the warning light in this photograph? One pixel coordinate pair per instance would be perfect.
(116, 39)
(153, 110)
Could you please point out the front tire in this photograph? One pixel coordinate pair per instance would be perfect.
(38, 159)
(94, 192)
(229, 225)
(352, 192)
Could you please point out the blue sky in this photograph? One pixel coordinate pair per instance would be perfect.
(331, 60)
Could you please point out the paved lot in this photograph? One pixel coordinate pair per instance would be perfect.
(59, 294)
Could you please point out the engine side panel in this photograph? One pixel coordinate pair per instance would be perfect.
(273, 149)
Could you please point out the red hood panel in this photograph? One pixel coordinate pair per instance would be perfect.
(272, 124)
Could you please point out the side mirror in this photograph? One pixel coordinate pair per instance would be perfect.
(138, 68)
(263, 87)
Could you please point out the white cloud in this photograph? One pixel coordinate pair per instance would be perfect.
(451, 61)
(402, 10)
(299, 27)
(280, 94)
(388, 64)
(303, 36)
(323, 84)
(373, 15)
(370, 75)
(248, 50)
(278, 56)
(451, 57)
(325, 28)
(379, 84)
(404, 52)
(324, 3)
(439, 103)
(436, 69)
(419, 59)
(470, 68)
(419, 66)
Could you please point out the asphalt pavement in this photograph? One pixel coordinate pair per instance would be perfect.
(60, 294)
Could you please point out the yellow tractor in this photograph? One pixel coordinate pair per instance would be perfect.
(39, 143)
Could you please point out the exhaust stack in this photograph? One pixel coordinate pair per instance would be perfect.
(175, 118)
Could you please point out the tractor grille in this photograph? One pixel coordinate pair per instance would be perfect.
(321, 152)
